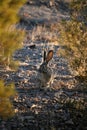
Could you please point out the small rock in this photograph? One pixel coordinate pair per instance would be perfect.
(32, 46)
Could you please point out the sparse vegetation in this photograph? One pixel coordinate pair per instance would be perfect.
(43, 33)
(10, 41)
(10, 38)
(73, 36)
(6, 92)
(73, 40)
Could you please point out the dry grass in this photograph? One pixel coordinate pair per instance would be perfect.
(44, 34)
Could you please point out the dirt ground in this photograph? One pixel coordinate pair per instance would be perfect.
(56, 108)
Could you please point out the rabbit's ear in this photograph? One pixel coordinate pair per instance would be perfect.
(44, 56)
(49, 56)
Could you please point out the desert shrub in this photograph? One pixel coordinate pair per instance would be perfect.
(79, 9)
(10, 38)
(6, 92)
(10, 41)
(73, 37)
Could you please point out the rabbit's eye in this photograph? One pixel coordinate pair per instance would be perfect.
(45, 69)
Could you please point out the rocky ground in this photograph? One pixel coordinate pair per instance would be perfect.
(60, 108)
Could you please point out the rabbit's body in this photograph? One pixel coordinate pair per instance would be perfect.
(45, 72)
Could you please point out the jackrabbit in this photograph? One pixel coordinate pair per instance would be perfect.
(45, 72)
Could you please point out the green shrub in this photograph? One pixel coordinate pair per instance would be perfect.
(73, 36)
(10, 38)
(6, 92)
(10, 41)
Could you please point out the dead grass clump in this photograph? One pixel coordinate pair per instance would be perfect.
(43, 33)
